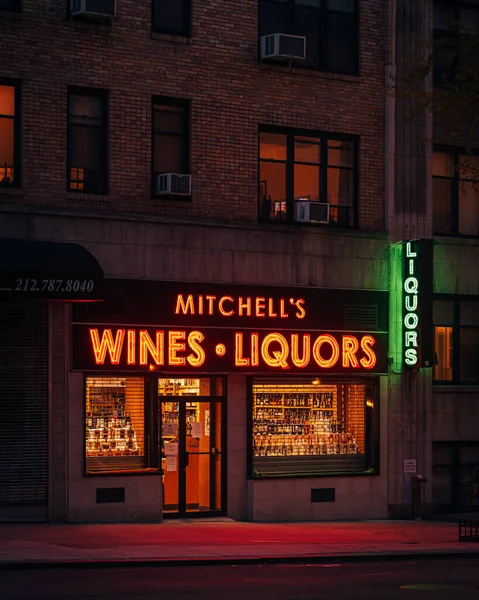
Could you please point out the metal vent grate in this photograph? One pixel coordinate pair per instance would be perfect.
(361, 317)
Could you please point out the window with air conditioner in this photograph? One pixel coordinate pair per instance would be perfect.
(93, 9)
(9, 134)
(330, 28)
(173, 18)
(88, 141)
(307, 177)
(170, 156)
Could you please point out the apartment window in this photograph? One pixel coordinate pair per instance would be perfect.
(329, 26)
(456, 339)
(9, 134)
(12, 5)
(305, 177)
(87, 141)
(455, 193)
(172, 17)
(450, 18)
(170, 137)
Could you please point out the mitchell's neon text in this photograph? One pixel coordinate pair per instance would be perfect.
(242, 306)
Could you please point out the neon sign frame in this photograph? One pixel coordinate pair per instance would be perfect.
(417, 304)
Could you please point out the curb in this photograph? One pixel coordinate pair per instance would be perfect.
(326, 559)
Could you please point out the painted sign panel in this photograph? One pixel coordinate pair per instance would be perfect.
(410, 466)
(178, 304)
(216, 328)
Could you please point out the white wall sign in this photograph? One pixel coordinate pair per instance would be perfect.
(410, 465)
(171, 449)
(197, 429)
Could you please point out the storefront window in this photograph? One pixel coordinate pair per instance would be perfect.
(315, 427)
(115, 424)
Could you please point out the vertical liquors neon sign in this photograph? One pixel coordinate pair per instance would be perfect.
(417, 303)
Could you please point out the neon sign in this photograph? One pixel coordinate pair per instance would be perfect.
(411, 304)
(241, 306)
(417, 303)
(225, 350)
(216, 328)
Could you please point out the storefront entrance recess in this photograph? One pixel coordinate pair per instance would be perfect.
(191, 415)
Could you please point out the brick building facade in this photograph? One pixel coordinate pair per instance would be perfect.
(195, 93)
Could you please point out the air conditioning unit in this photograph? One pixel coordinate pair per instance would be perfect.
(312, 212)
(173, 184)
(282, 46)
(96, 9)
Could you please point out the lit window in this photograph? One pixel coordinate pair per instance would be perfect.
(315, 427)
(115, 424)
(306, 178)
(456, 339)
(9, 135)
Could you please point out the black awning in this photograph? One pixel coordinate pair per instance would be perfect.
(48, 271)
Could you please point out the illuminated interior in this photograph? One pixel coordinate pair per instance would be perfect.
(115, 436)
(317, 420)
(307, 175)
(7, 143)
(443, 348)
(200, 420)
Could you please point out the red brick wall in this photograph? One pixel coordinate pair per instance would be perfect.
(217, 69)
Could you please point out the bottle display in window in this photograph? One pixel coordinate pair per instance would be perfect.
(306, 420)
(114, 423)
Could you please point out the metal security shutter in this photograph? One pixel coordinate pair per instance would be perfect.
(24, 404)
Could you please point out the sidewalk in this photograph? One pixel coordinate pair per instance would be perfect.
(222, 541)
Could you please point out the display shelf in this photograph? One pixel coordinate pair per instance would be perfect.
(299, 423)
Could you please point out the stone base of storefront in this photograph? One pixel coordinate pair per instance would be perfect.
(296, 499)
(142, 499)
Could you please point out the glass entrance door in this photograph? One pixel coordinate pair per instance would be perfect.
(191, 445)
(203, 455)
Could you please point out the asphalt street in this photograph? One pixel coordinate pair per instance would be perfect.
(406, 580)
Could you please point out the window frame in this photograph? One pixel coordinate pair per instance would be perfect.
(324, 137)
(104, 170)
(150, 408)
(184, 31)
(323, 29)
(17, 8)
(372, 432)
(17, 129)
(456, 182)
(185, 105)
(448, 34)
(456, 301)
